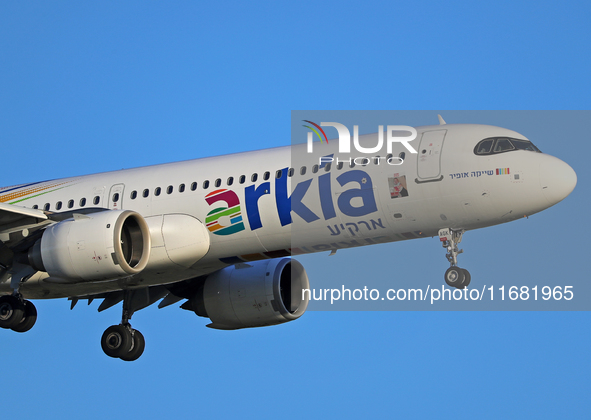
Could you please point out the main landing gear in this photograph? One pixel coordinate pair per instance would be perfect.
(121, 341)
(17, 314)
(454, 275)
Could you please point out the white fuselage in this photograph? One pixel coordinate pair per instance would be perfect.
(444, 185)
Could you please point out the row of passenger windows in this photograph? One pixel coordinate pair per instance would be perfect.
(217, 183)
(59, 205)
(254, 177)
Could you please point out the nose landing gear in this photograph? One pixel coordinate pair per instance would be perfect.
(454, 276)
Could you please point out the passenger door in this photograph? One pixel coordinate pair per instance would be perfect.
(429, 156)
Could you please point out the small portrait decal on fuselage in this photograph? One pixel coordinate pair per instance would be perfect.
(397, 184)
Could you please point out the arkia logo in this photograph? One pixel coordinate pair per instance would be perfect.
(231, 212)
(394, 134)
(310, 203)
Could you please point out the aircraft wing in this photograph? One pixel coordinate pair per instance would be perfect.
(10, 213)
(143, 297)
(15, 219)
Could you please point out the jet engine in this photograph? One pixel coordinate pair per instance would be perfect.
(254, 294)
(97, 246)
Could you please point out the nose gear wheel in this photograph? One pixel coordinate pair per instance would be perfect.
(454, 276)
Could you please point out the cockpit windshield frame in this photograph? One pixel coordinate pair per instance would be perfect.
(496, 145)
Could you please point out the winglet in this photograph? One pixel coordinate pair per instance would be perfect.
(441, 120)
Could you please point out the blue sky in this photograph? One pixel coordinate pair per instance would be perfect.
(94, 87)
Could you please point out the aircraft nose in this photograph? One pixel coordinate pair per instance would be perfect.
(557, 180)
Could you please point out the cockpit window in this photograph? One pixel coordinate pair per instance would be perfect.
(503, 144)
(524, 145)
(484, 147)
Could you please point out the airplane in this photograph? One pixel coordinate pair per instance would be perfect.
(219, 233)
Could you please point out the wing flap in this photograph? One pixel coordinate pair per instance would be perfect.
(10, 213)
(15, 218)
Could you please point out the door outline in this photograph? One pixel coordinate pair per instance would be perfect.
(116, 189)
(429, 162)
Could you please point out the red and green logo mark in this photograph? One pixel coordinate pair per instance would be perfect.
(316, 131)
(224, 220)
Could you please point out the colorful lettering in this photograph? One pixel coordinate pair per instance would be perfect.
(354, 202)
(232, 210)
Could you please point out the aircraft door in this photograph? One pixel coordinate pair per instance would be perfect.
(429, 156)
(116, 196)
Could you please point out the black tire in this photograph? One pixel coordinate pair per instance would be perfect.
(467, 278)
(116, 341)
(29, 318)
(11, 311)
(139, 344)
(454, 277)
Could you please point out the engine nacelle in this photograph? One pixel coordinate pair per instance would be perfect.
(97, 246)
(178, 240)
(254, 294)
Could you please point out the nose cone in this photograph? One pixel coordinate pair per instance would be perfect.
(557, 180)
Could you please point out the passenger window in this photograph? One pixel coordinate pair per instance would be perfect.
(205, 185)
(242, 179)
(83, 201)
(254, 177)
(503, 145)
(157, 191)
(266, 176)
(314, 169)
(303, 170)
(146, 193)
(230, 181)
(402, 155)
(169, 189)
(96, 200)
(133, 195)
(35, 206)
(278, 174)
(182, 188)
(340, 166)
(70, 204)
(218, 182)
(115, 197)
(58, 205)
(290, 172)
(193, 186)
(327, 167)
(376, 160)
(352, 163)
(46, 207)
